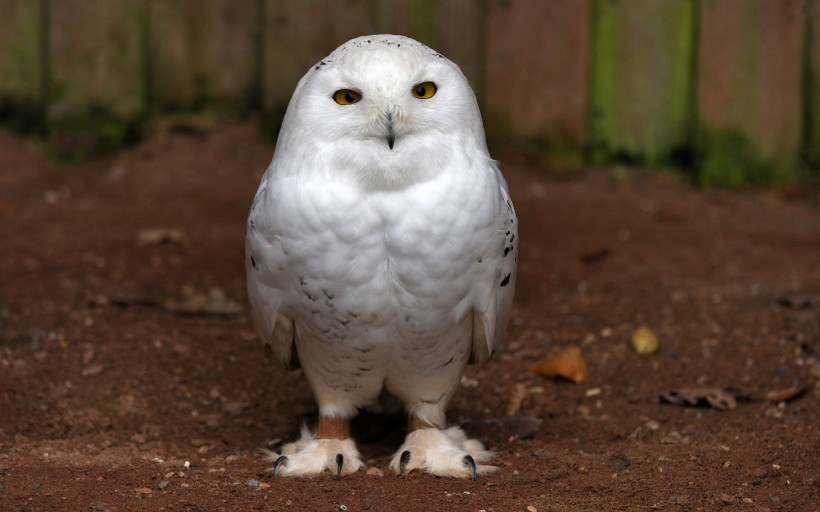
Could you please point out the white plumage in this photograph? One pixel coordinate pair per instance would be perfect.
(381, 249)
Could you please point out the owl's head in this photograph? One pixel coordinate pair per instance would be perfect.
(386, 106)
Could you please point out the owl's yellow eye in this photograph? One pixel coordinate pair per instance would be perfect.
(346, 96)
(424, 90)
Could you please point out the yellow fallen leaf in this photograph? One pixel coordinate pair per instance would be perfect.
(644, 341)
(569, 364)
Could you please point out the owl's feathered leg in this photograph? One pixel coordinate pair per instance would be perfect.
(441, 452)
(330, 448)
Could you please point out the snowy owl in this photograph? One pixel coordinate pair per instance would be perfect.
(381, 251)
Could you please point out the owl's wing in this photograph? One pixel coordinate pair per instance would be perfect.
(264, 293)
(496, 286)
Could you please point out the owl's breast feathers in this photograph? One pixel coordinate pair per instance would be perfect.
(340, 261)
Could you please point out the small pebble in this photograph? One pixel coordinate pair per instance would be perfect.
(530, 508)
(93, 370)
(235, 408)
(592, 392)
(162, 484)
(375, 472)
(651, 425)
(88, 353)
(181, 349)
(252, 483)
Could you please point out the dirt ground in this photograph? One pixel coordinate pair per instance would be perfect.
(131, 377)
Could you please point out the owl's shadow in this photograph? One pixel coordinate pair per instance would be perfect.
(380, 434)
(377, 434)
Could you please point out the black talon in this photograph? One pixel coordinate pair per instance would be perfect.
(470, 461)
(340, 459)
(403, 460)
(281, 460)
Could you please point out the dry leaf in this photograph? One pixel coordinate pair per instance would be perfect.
(569, 364)
(717, 398)
(798, 303)
(156, 236)
(519, 395)
(784, 394)
(595, 256)
(215, 302)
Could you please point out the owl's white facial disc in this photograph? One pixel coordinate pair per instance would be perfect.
(360, 107)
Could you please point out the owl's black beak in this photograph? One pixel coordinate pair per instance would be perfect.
(391, 132)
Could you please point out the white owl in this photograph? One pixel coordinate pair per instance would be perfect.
(381, 251)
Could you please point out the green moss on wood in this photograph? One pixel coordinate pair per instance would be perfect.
(22, 115)
(642, 79)
(78, 136)
(424, 22)
(811, 86)
(21, 62)
(22, 67)
(727, 158)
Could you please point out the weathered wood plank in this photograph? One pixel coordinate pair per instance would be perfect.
(453, 27)
(22, 64)
(813, 86)
(395, 17)
(537, 71)
(641, 78)
(460, 34)
(749, 90)
(296, 36)
(97, 80)
(203, 52)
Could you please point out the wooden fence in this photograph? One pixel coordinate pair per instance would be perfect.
(730, 88)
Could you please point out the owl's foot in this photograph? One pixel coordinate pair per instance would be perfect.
(311, 456)
(442, 453)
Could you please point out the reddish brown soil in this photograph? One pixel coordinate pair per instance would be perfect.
(111, 401)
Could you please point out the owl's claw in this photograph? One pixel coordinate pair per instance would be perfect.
(340, 460)
(442, 453)
(281, 460)
(310, 456)
(403, 460)
(470, 461)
